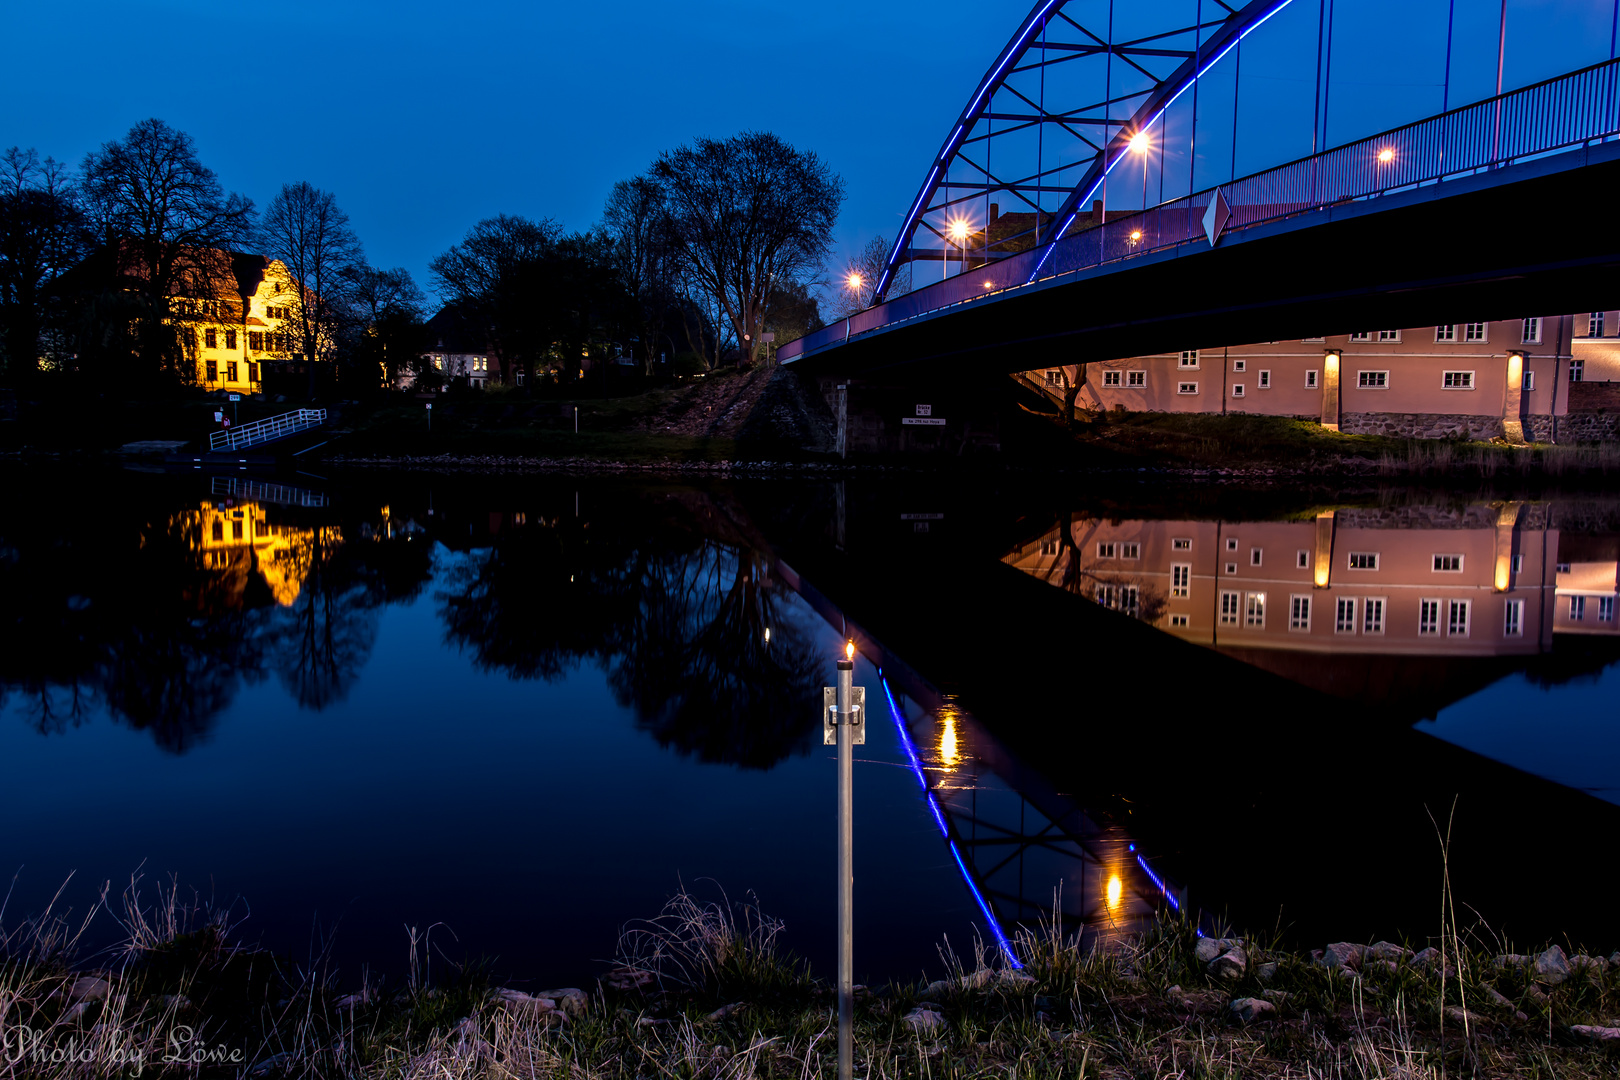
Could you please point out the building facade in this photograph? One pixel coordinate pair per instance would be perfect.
(1543, 379)
(246, 327)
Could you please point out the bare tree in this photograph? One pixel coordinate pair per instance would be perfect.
(166, 222)
(305, 229)
(42, 235)
(748, 213)
(857, 288)
(636, 223)
(482, 276)
(388, 310)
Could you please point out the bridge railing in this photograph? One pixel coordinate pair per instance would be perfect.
(1548, 117)
(267, 430)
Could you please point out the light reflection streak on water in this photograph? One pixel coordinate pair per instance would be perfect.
(939, 819)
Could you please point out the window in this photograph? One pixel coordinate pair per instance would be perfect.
(1136, 378)
(1302, 560)
(1372, 620)
(1299, 612)
(230, 339)
(1310, 379)
(1189, 358)
(1181, 543)
(230, 371)
(1130, 551)
(1231, 543)
(1105, 551)
(1254, 609)
(1240, 366)
(1389, 335)
(1364, 560)
(1050, 547)
(1231, 568)
(1130, 599)
(1254, 556)
(1529, 379)
(1111, 378)
(1474, 331)
(1518, 564)
(1445, 333)
(1448, 564)
(1237, 389)
(236, 530)
(1530, 333)
(1428, 617)
(218, 531)
(1344, 616)
(1230, 607)
(1562, 568)
(256, 340)
(1605, 609)
(1187, 388)
(1577, 608)
(1577, 368)
(1513, 619)
(1372, 380)
(1363, 336)
(1457, 617)
(1107, 596)
(1457, 380)
(1180, 580)
(253, 372)
(1265, 380)
(1178, 620)
(211, 338)
(1055, 378)
(1594, 324)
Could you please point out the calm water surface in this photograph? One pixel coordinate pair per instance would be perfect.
(526, 710)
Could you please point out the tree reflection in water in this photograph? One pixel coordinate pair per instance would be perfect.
(692, 632)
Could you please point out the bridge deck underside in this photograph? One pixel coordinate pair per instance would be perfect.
(1537, 238)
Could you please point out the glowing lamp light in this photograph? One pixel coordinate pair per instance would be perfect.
(854, 281)
(1385, 156)
(1331, 360)
(949, 754)
(1115, 890)
(1136, 235)
(1139, 142)
(958, 229)
(849, 650)
(767, 635)
(989, 284)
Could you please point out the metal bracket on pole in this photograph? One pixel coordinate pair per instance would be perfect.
(830, 718)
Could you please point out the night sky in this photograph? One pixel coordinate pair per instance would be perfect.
(423, 118)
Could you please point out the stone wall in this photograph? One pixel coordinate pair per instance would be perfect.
(1599, 426)
(1422, 425)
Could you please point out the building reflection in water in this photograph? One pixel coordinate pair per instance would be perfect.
(1029, 856)
(1416, 604)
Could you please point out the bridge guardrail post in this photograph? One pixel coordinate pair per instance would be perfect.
(843, 715)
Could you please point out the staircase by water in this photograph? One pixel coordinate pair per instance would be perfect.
(267, 430)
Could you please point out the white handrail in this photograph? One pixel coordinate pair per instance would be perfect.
(267, 430)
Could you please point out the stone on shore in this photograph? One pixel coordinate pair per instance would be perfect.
(570, 999)
(1248, 1010)
(1607, 1035)
(1209, 948)
(1389, 951)
(924, 1021)
(1552, 967)
(1229, 966)
(1344, 954)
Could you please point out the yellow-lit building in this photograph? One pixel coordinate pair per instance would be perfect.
(247, 325)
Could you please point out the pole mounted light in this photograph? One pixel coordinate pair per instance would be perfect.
(843, 716)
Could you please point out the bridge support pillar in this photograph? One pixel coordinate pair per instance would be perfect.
(1330, 389)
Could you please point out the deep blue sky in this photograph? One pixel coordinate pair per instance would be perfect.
(423, 118)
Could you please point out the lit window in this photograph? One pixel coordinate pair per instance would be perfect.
(1530, 333)
(1364, 560)
(1372, 621)
(1457, 380)
(1189, 358)
(1594, 324)
(1110, 378)
(1577, 608)
(1445, 333)
(1474, 331)
(1344, 616)
(1254, 609)
(1457, 618)
(1513, 619)
(1237, 389)
(1136, 378)
(1372, 380)
(1240, 366)
(1181, 543)
(1310, 379)
(1231, 605)
(1448, 564)
(1187, 388)
(1265, 380)
(1180, 580)
(1428, 617)
(1389, 335)
(1299, 613)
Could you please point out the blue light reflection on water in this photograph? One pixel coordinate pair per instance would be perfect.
(533, 818)
(1568, 733)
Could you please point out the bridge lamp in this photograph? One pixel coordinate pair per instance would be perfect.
(1139, 142)
(958, 231)
(1135, 237)
(854, 281)
(1385, 156)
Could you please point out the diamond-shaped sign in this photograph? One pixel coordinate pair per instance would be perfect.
(1216, 216)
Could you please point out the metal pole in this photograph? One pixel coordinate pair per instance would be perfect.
(1501, 52)
(846, 873)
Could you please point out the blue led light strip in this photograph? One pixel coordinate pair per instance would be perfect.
(939, 819)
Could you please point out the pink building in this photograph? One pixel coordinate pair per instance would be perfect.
(1543, 379)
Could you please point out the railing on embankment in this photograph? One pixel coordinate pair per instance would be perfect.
(1561, 113)
(266, 430)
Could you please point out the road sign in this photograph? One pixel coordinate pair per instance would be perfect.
(430, 405)
(235, 397)
(925, 410)
(830, 720)
(923, 421)
(218, 416)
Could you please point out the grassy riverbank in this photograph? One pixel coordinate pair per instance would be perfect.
(704, 990)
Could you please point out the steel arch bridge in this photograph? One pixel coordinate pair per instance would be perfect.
(1104, 132)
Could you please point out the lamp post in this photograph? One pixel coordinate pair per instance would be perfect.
(843, 724)
(958, 232)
